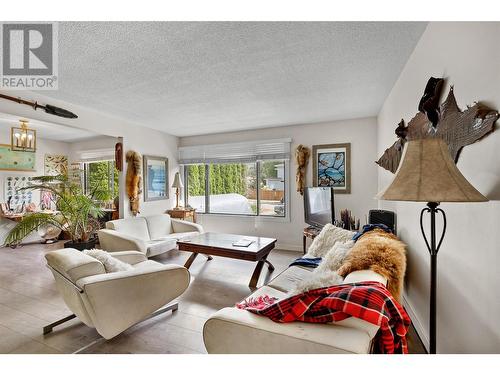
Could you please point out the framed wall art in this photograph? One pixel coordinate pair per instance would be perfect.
(16, 160)
(332, 167)
(55, 165)
(16, 199)
(155, 178)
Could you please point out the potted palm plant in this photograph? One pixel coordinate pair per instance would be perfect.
(76, 212)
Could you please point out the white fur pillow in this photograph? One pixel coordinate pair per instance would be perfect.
(326, 273)
(335, 257)
(325, 240)
(110, 263)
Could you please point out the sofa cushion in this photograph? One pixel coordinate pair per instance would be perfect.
(148, 264)
(159, 226)
(156, 247)
(135, 226)
(223, 331)
(286, 280)
(180, 235)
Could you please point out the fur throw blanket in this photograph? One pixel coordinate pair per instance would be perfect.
(380, 252)
(328, 237)
(326, 273)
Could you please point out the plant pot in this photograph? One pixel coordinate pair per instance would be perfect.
(90, 244)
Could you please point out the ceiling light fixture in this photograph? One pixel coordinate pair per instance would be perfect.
(23, 138)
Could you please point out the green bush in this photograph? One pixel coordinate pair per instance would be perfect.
(223, 178)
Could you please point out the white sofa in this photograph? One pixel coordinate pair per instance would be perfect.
(232, 330)
(113, 302)
(151, 235)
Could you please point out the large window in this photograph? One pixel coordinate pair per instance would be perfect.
(195, 185)
(272, 188)
(253, 189)
(102, 176)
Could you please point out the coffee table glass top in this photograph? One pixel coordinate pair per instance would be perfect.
(225, 241)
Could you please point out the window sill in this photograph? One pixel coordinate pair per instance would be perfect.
(275, 219)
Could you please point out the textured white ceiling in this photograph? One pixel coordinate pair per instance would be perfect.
(188, 78)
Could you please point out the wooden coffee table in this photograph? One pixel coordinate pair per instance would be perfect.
(220, 244)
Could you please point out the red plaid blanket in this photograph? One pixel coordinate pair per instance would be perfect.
(370, 301)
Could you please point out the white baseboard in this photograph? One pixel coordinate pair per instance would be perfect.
(422, 333)
(288, 247)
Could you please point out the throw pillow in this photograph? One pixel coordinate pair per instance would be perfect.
(325, 240)
(110, 263)
(326, 273)
(334, 258)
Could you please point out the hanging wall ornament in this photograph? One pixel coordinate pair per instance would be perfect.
(119, 156)
(457, 128)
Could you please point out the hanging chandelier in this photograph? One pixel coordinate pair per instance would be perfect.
(23, 138)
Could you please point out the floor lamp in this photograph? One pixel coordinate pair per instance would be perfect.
(428, 174)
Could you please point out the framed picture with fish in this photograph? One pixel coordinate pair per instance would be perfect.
(332, 166)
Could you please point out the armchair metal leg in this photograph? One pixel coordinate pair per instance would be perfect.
(173, 307)
(48, 329)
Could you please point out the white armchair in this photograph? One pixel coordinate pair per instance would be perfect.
(151, 235)
(113, 302)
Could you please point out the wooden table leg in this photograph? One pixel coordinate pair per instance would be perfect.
(258, 270)
(190, 260)
(269, 265)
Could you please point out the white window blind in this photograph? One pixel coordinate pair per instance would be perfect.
(242, 152)
(96, 155)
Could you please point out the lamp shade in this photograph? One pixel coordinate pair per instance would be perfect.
(177, 181)
(427, 173)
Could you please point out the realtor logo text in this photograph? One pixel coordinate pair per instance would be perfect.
(29, 56)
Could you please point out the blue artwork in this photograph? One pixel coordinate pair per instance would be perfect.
(331, 169)
(156, 178)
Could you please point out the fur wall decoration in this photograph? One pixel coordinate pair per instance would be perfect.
(302, 154)
(380, 252)
(446, 121)
(133, 180)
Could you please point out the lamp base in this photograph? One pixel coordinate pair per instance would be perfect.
(433, 247)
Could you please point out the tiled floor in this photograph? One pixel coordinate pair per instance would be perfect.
(29, 301)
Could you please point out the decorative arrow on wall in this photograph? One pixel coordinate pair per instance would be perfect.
(50, 109)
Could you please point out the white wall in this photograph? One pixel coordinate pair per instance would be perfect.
(135, 137)
(361, 133)
(467, 54)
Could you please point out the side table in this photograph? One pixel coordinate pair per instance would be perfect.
(309, 232)
(183, 214)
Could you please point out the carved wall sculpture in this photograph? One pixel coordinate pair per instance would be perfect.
(302, 154)
(457, 128)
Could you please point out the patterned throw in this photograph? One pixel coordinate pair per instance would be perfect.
(369, 301)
